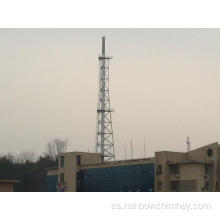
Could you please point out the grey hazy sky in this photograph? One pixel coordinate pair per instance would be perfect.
(165, 85)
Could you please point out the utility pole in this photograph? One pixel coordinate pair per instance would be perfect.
(131, 150)
(104, 133)
(144, 147)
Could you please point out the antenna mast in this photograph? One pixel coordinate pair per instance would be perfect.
(188, 143)
(131, 150)
(104, 135)
(125, 152)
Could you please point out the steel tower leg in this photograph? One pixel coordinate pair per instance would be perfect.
(104, 138)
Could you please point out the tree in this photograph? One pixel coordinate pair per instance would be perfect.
(11, 157)
(32, 175)
(55, 147)
(25, 156)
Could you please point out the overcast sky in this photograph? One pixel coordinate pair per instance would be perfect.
(165, 85)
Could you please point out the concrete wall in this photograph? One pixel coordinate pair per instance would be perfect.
(190, 172)
(52, 171)
(191, 167)
(6, 187)
(71, 168)
(161, 159)
(201, 154)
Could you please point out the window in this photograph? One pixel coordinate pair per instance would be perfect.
(62, 177)
(62, 161)
(188, 186)
(159, 186)
(207, 169)
(207, 185)
(78, 178)
(159, 169)
(139, 173)
(174, 169)
(183, 186)
(78, 160)
(209, 152)
(174, 185)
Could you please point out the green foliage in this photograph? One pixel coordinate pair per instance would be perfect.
(32, 175)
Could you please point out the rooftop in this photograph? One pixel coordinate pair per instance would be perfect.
(119, 163)
(9, 181)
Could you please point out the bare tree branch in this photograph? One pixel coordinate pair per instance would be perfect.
(55, 147)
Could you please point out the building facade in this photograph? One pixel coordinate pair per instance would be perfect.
(195, 171)
(69, 165)
(7, 185)
(119, 176)
(84, 172)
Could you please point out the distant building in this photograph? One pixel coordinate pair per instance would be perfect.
(196, 170)
(7, 185)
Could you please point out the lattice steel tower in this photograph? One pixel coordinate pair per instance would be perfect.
(104, 138)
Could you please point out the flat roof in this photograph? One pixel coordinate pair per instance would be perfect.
(119, 163)
(9, 181)
(78, 152)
